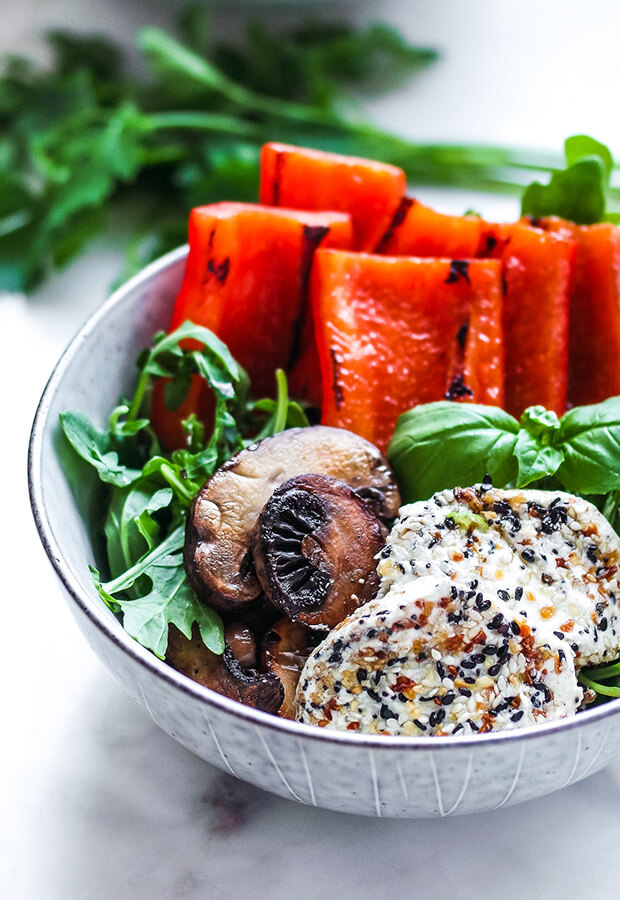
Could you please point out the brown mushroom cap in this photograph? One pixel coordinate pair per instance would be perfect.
(284, 651)
(226, 674)
(314, 550)
(218, 556)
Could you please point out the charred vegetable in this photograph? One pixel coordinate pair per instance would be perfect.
(314, 550)
(231, 674)
(222, 518)
(284, 651)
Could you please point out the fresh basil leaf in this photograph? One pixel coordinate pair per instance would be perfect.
(536, 450)
(590, 438)
(576, 193)
(93, 447)
(442, 445)
(579, 146)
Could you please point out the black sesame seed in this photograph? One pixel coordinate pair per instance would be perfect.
(496, 621)
(503, 595)
(361, 675)
(448, 698)
(494, 670)
(419, 725)
(477, 658)
(515, 627)
(559, 635)
(528, 555)
(465, 692)
(387, 713)
(591, 553)
(371, 633)
(603, 624)
(469, 680)
(373, 695)
(516, 717)
(490, 650)
(436, 717)
(518, 593)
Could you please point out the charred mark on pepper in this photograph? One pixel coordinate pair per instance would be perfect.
(461, 335)
(488, 245)
(211, 236)
(337, 387)
(311, 237)
(458, 389)
(277, 176)
(459, 268)
(219, 270)
(397, 220)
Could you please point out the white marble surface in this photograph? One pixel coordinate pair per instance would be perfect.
(96, 802)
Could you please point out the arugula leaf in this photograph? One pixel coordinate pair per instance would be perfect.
(94, 447)
(129, 527)
(535, 449)
(170, 599)
(590, 438)
(443, 445)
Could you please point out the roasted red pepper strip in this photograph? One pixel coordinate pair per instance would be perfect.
(396, 331)
(594, 340)
(418, 230)
(299, 178)
(246, 280)
(538, 271)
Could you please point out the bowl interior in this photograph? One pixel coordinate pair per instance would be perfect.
(98, 368)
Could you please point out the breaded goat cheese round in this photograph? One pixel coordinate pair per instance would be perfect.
(436, 657)
(549, 555)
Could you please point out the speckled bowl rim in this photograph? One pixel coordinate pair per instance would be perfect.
(99, 615)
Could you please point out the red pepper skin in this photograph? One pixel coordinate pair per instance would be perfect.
(538, 274)
(167, 423)
(246, 280)
(418, 230)
(594, 339)
(300, 178)
(396, 331)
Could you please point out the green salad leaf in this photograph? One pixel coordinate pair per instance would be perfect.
(149, 490)
(434, 448)
(441, 445)
(578, 192)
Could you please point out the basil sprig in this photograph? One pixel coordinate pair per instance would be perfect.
(441, 445)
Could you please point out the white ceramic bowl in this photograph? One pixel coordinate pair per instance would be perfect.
(375, 776)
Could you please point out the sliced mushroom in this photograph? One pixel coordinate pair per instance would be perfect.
(314, 550)
(218, 556)
(226, 674)
(284, 651)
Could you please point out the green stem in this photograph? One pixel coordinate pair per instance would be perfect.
(138, 397)
(202, 122)
(176, 484)
(174, 542)
(606, 690)
(281, 403)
